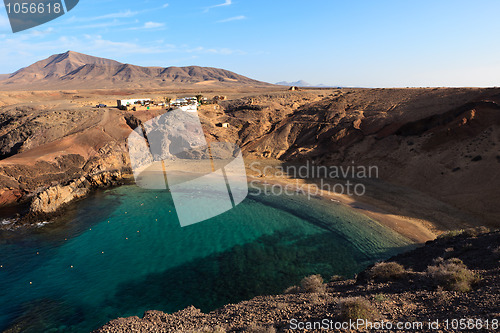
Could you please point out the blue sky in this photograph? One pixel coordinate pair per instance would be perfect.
(352, 43)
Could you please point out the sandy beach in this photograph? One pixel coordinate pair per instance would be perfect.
(416, 230)
(375, 204)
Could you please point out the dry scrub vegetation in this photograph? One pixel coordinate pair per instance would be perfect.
(353, 308)
(386, 271)
(309, 284)
(452, 274)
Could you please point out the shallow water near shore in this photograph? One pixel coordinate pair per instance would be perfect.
(122, 251)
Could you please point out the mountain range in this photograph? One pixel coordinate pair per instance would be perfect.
(73, 70)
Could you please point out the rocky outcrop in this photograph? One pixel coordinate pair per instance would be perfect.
(426, 140)
(10, 195)
(53, 198)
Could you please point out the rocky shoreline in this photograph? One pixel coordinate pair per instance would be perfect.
(405, 289)
(406, 133)
(441, 143)
(53, 198)
(51, 202)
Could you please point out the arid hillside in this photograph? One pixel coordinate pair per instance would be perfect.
(441, 142)
(72, 70)
(437, 149)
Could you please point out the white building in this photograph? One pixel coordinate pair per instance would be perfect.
(127, 102)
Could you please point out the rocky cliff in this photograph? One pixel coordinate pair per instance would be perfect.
(430, 145)
(55, 197)
(61, 155)
(442, 143)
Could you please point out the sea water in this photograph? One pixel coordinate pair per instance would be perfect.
(122, 251)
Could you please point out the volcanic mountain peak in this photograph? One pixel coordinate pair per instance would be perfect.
(81, 59)
(56, 66)
(73, 70)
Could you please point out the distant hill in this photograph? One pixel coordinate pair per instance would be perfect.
(302, 83)
(72, 70)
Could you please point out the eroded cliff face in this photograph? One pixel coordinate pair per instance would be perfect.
(55, 197)
(50, 173)
(322, 126)
(442, 142)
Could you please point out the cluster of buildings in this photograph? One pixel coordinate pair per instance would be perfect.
(130, 104)
(188, 103)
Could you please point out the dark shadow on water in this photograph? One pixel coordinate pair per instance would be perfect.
(45, 315)
(304, 214)
(264, 267)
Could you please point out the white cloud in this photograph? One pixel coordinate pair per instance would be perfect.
(226, 3)
(153, 25)
(149, 25)
(24, 49)
(236, 18)
(124, 14)
(118, 15)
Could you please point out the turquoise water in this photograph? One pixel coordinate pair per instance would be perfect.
(122, 252)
